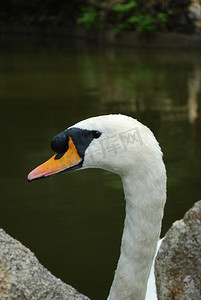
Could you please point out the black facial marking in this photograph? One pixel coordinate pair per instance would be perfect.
(96, 134)
(80, 137)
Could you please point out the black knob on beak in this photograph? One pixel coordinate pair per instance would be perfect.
(59, 144)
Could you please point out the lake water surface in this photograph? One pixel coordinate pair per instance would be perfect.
(73, 222)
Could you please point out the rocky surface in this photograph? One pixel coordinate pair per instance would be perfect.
(193, 13)
(178, 263)
(22, 277)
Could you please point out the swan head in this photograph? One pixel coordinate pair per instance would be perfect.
(115, 143)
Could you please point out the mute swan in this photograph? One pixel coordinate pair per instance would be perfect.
(126, 147)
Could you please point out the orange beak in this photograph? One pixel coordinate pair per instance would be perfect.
(70, 159)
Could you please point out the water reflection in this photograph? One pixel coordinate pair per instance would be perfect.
(73, 222)
(194, 89)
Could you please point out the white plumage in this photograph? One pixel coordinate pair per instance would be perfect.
(140, 165)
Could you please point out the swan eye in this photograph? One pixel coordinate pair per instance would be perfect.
(96, 134)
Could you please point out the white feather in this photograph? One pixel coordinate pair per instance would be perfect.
(137, 158)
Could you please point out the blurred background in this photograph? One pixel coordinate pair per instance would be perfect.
(50, 79)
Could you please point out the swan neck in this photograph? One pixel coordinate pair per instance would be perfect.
(145, 199)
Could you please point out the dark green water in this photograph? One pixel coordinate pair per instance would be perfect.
(73, 222)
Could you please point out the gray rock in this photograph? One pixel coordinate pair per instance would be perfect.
(22, 277)
(178, 263)
(194, 10)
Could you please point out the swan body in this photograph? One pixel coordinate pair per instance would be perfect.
(151, 293)
(122, 145)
